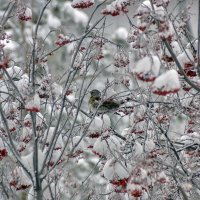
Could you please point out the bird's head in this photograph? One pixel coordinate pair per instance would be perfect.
(95, 93)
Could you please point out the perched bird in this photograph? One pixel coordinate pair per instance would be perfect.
(96, 102)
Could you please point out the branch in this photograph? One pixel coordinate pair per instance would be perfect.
(6, 16)
(14, 86)
(198, 51)
(180, 67)
(33, 59)
(54, 138)
(12, 145)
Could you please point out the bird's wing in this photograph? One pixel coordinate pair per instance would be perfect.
(110, 104)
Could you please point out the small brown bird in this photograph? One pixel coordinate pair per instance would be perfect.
(96, 102)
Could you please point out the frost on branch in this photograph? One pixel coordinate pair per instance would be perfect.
(149, 145)
(19, 180)
(144, 9)
(33, 104)
(49, 189)
(137, 39)
(176, 49)
(24, 138)
(82, 3)
(71, 96)
(117, 172)
(186, 59)
(25, 14)
(47, 138)
(163, 3)
(14, 72)
(162, 177)
(137, 150)
(24, 86)
(62, 40)
(78, 145)
(4, 91)
(28, 161)
(144, 15)
(166, 83)
(12, 114)
(191, 138)
(77, 16)
(147, 69)
(40, 121)
(155, 19)
(116, 7)
(135, 190)
(56, 90)
(90, 150)
(106, 145)
(96, 128)
(54, 157)
(166, 31)
(100, 124)
(114, 194)
(121, 60)
(45, 87)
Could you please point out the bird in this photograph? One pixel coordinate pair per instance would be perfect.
(96, 102)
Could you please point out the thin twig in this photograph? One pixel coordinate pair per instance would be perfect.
(9, 10)
(198, 51)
